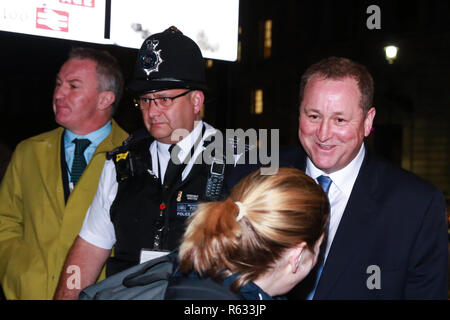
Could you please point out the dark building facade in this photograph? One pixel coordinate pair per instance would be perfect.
(412, 95)
(278, 40)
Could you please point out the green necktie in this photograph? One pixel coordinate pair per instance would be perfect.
(79, 162)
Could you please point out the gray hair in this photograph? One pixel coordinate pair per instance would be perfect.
(109, 73)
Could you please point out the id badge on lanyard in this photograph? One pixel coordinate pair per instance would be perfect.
(149, 254)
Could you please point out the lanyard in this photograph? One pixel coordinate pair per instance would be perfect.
(162, 221)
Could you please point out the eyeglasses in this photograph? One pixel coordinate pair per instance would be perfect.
(144, 103)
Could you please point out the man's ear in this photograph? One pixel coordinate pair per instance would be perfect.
(106, 99)
(197, 100)
(368, 121)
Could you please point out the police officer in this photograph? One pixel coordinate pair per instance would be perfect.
(154, 182)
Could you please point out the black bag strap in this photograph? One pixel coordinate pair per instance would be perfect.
(141, 277)
(145, 279)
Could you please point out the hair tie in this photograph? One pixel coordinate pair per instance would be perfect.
(242, 210)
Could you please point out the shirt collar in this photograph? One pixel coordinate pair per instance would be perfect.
(96, 137)
(343, 179)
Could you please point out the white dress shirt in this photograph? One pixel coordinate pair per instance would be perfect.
(340, 190)
(97, 227)
(185, 146)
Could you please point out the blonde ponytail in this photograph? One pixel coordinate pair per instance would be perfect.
(248, 232)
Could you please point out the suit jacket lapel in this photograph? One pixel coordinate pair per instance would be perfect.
(353, 228)
(293, 158)
(301, 163)
(48, 158)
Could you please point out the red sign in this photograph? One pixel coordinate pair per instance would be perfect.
(83, 3)
(52, 19)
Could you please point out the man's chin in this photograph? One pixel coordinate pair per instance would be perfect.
(60, 120)
(324, 164)
(62, 115)
(161, 137)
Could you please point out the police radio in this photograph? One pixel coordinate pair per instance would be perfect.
(215, 180)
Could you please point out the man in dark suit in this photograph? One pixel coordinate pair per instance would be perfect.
(387, 237)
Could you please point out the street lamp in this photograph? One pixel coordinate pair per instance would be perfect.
(391, 53)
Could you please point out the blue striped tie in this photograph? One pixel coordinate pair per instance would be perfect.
(325, 183)
(79, 162)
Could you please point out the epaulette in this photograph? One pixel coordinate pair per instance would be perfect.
(127, 157)
(132, 138)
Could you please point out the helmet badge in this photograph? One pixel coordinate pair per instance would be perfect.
(151, 58)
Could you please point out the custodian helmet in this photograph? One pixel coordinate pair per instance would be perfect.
(168, 60)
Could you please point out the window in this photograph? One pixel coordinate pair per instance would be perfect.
(239, 46)
(267, 39)
(257, 102)
(239, 51)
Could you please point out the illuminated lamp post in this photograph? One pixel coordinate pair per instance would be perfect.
(391, 53)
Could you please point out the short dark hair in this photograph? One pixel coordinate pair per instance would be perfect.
(337, 68)
(109, 73)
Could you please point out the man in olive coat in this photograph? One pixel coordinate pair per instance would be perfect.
(51, 179)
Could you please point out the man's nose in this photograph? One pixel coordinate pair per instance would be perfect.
(324, 130)
(153, 110)
(59, 92)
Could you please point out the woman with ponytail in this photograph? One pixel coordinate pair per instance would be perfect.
(262, 240)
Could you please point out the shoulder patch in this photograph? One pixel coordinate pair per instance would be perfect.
(130, 158)
(121, 156)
